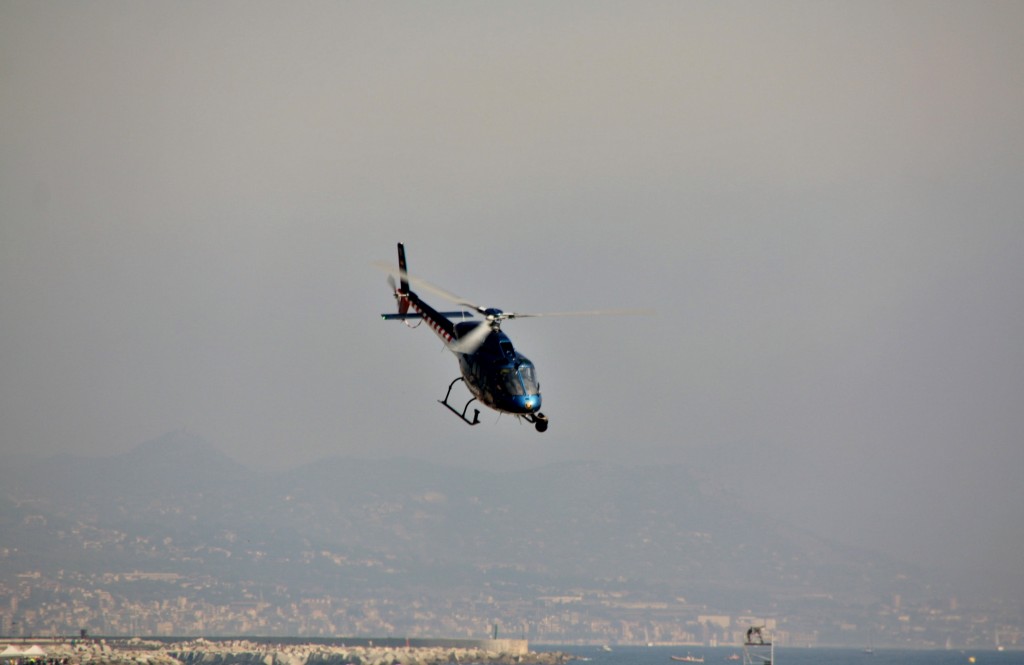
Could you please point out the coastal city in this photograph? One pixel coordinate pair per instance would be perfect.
(165, 604)
(431, 553)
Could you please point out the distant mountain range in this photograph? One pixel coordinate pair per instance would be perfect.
(177, 505)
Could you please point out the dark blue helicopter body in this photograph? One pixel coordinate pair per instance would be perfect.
(499, 375)
(495, 373)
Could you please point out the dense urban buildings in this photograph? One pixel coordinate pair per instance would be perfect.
(166, 604)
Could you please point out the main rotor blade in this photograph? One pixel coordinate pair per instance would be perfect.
(592, 312)
(472, 340)
(427, 286)
(459, 300)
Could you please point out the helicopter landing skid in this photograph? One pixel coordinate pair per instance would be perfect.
(462, 415)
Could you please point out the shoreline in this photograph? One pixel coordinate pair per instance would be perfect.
(200, 651)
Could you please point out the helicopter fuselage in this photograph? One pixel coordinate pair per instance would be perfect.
(498, 375)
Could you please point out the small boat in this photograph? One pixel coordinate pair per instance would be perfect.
(688, 659)
(733, 656)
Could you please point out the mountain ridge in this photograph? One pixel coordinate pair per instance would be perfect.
(346, 527)
(666, 522)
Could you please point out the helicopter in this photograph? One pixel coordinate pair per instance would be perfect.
(496, 374)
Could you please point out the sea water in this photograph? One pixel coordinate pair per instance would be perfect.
(793, 656)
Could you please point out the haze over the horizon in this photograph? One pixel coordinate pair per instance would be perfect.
(823, 201)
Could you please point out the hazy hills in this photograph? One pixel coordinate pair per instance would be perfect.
(178, 505)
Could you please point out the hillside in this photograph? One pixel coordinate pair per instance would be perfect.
(346, 528)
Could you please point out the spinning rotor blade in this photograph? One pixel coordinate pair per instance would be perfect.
(472, 340)
(427, 286)
(592, 312)
(493, 317)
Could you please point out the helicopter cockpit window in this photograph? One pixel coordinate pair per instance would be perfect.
(529, 379)
(511, 382)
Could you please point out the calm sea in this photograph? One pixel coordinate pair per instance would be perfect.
(792, 656)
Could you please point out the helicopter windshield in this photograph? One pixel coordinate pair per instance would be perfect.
(529, 376)
(511, 382)
(520, 380)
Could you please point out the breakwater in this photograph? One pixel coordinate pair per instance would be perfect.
(265, 652)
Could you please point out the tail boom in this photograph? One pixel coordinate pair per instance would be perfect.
(439, 322)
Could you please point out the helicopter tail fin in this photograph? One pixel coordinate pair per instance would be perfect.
(411, 307)
(403, 277)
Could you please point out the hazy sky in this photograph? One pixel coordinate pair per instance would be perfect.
(823, 200)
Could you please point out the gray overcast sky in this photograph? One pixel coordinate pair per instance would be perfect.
(824, 201)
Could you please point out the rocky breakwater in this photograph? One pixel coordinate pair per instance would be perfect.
(101, 652)
(242, 652)
(203, 652)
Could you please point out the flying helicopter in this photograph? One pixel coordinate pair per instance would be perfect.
(496, 374)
